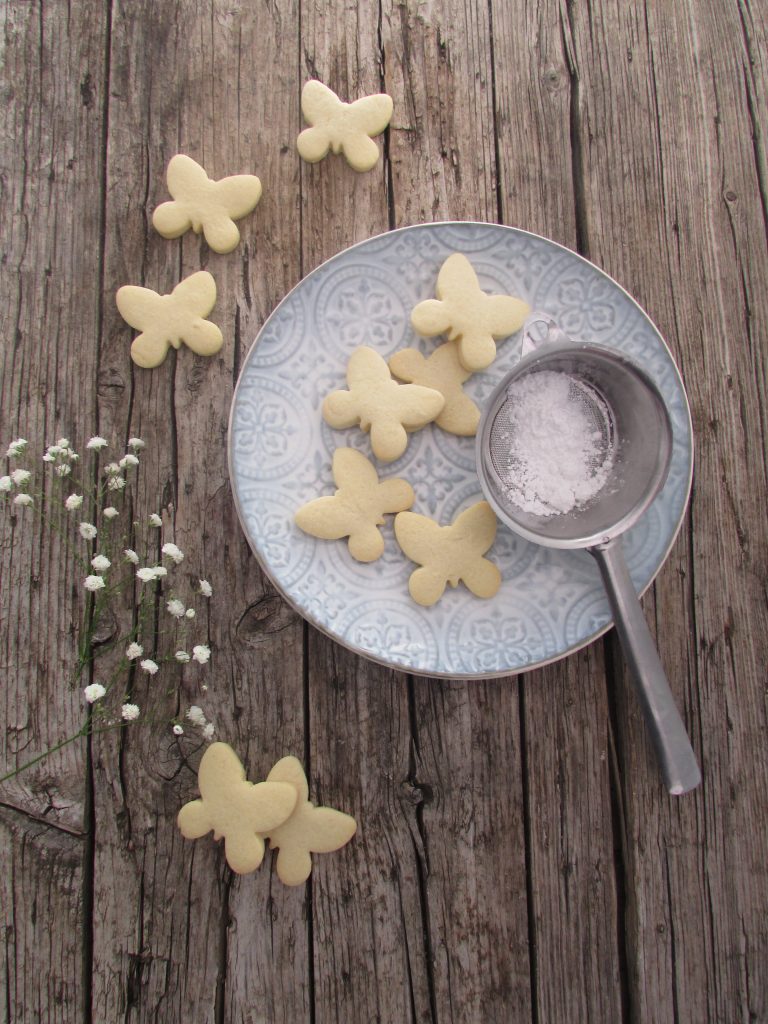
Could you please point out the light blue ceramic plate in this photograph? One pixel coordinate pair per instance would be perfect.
(551, 602)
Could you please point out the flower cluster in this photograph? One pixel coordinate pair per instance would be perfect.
(116, 559)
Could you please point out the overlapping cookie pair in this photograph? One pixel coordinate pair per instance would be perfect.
(245, 814)
(389, 411)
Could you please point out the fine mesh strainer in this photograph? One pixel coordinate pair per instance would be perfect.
(624, 467)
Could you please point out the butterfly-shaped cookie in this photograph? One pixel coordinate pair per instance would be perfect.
(441, 370)
(467, 314)
(205, 205)
(380, 405)
(166, 320)
(357, 508)
(235, 809)
(342, 127)
(449, 554)
(309, 829)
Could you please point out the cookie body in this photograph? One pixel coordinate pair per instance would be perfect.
(441, 370)
(342, 127)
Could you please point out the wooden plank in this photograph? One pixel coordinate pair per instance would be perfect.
(223, 947)
(692, 248)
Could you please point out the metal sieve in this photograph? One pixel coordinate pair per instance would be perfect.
(632, 436)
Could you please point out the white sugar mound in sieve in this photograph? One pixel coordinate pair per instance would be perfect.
(553, 443)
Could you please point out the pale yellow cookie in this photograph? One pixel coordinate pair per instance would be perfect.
(381, 405)
(235, 809)
(357, 508)
(166, 320)
(309, 829)
(467, 314)
(205, 205)
(449, 554)
(342, 127)
(441, 370)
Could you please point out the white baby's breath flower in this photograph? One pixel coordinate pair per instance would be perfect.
(115, 483)
(181, 656)
(94, 583)
(201, 653)
(155, 520)
(131, 556)
(48, 457)
(5, 483)
(63, 470)
(146, 574)
(173, 552)
(110, 512)
(149, 666)
(111, 469)
(22, 499)
(176, 608)
(195, 715)
(16, 448)
(130, 712)
(160, 571)
(100, 563)
(205, 588)
(73, 502)
(128, 460)
(136, 443)
(87, 531)
(133, 651)
(178, 730)
(190, 613)
(94, 692)
(64, 443)
(95, 444)
(208, 731)
(21, 477)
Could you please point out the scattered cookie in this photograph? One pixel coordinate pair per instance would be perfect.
(448, 554)
(166, 320)
(205, 205)
(342, 127)
(474, 319)
(235, 809)
(357, 508)
(381, 405)
(441, 370)
(309, 829)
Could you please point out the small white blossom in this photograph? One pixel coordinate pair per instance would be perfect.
(178, 730)
(48, 457)
(173, 552)
(190, 613)
(94, 583)
(88, 531)
(73, 501)
(195, 715)
(112, 469)
(110, 512)
(130, 712)
(208, 731)
(128, 460)
(176, 608)
(63, 470)
(94, 692)
(21, 477)
(181, 656)
(95, 444)
(155, 520)
(149, 666)
(22, 499)
(115, 483)
(73, 456)
(160, 571)
(131, 556)
(205, 588)
(146, 574)
(133, 650)
(16, 448)
(100, 563)
(5, 483)
(136, 443)
(63, 442)
(201, 653)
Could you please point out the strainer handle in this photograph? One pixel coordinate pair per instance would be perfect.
(673, 748)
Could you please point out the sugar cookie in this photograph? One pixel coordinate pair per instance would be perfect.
(309, 829)
(235, 809)
(448, 554)
(357, 508)
(166, 320)
(441, 370)
(342, 127)
(205, 205)
(381, 405)
(468, 315)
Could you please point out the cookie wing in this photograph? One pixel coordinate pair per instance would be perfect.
(457, 276)
(185, 176)
(504, 314)
(221, 232)
(139, 307)
(294, 864)
(367, 366)
(340, 409)
(313, 144)
(238, 194)
(171, 219)
(351, 468)
(327, 518)
(366, 543)
(475, 529)
(415, 405)
(418, 536)
(430, 317)
(319, 103)
(149, 349)
(267, 805)
(329, 829)
(196, 293)
(361, 152)
(370, 114)
(482, 577)
(289, 769)
(244, 850)
(395, 495)
(194, 820)
(426, 585)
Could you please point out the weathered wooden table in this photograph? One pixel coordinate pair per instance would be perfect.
(518, 858)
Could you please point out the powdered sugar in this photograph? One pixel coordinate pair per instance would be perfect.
(553, 450)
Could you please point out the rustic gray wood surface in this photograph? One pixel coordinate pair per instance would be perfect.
(518, 858)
